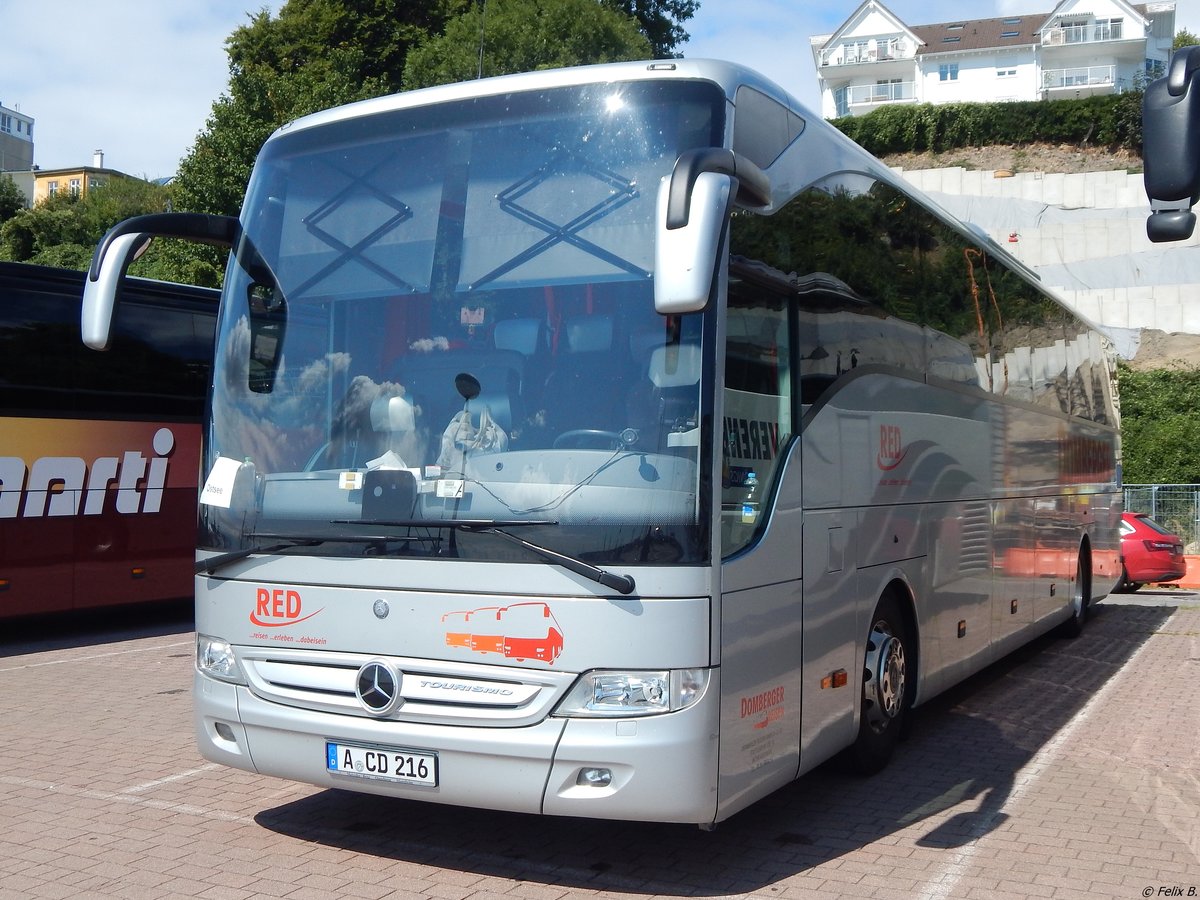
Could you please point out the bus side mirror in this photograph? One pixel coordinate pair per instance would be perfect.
(125, 242)
(101, 285)
(1171, 148)
(693, 208)
(686, 256)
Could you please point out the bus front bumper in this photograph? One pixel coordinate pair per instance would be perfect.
(655, 768)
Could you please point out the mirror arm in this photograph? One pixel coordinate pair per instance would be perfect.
(203, 228)
(754, 188)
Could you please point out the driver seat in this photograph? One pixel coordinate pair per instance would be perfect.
(580, 390)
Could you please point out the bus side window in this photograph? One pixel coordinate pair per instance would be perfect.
(758, 409)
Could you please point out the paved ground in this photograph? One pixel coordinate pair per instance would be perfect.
(1071, 769)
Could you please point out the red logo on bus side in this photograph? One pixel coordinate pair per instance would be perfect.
(891, 448)
(277, 607)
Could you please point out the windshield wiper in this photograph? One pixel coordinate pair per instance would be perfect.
(285, 542)
(221, 560)
(621, 583)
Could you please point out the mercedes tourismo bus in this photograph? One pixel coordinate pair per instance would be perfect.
(619, 442)
(99, 454)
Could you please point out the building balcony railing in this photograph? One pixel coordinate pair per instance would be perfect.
(881, 93)
(861, 95)
(1081, 77)
(861, 54)
(1083, 34)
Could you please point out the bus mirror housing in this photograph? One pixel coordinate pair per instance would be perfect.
(693, 208)
(1171, 139)
(102, 285)
(685, 258)
(125, 242)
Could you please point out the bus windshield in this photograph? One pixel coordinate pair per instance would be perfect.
(445, 314)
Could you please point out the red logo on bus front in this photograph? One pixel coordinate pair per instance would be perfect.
(277, 607)
(521, 631)
(891, 448)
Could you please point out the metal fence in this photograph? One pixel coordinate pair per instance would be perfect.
(1174, 506)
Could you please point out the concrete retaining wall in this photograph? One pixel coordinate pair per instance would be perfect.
(1085, 234)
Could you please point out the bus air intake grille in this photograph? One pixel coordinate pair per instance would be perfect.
(431, 692)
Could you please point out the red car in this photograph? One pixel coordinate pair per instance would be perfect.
(1149, 553)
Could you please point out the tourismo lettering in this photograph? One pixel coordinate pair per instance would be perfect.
(67, 486)
(751, 438)
(276, 607)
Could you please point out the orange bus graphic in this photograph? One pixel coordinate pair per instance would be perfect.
(521, 631)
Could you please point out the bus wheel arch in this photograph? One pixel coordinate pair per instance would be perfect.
(1081, 592)
(889, 680)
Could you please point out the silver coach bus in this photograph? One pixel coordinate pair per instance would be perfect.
(620, 442)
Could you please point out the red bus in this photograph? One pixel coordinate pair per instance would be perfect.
(99, 453)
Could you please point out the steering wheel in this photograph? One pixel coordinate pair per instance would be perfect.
(577, 437)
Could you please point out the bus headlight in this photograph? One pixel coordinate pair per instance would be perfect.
(214, 658)
(608, 693)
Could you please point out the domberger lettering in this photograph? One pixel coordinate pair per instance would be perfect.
(752, 706)
(67, 486)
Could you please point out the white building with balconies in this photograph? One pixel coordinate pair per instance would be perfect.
(1078, 49)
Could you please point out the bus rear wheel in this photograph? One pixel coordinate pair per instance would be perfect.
(887, 683)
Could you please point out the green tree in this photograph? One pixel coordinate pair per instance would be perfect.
(63, 230)
(660, 21)
(12, 198)
(310, 33)
(1160, 431)
(524, 35)
(1184, 38)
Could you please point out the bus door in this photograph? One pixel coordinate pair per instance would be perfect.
(760, 609)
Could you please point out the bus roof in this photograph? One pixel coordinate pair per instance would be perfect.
(727, 75)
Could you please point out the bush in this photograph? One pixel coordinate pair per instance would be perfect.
(1160, 431)
(1113, 121)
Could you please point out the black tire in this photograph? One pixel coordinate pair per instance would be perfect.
(1081, 596)
(889, 673)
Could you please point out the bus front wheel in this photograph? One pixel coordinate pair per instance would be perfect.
(887, 683)
(1081, 595)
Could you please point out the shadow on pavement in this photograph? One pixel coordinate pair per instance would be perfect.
(89, 628)
(966, 745)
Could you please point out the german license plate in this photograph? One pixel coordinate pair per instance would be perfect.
(382, 763)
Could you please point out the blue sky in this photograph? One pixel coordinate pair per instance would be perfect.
(139, 81)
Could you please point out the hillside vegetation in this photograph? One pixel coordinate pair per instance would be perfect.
(1113, 122)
